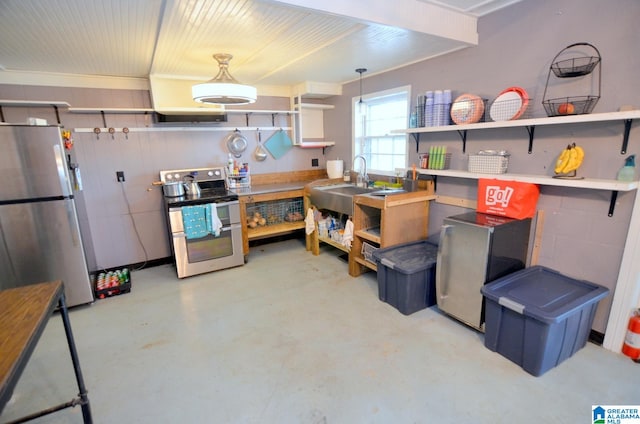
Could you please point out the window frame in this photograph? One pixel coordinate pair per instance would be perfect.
(354, 114)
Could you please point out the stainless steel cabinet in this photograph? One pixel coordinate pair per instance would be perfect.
(474, 249)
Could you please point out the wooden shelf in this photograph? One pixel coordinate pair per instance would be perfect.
(364, 262)
(556, 120)
(33, 103)
(274, 229)
(368, 235)
(109, 110)
(587, 183)
(185, 111)
(315, 144)
(333, 243)
(165, 129)
(315, 106)
(626, 117)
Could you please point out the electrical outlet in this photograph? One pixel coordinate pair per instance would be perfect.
(120, 176)
(314, 162)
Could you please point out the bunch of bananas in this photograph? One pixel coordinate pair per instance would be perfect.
(570, 159)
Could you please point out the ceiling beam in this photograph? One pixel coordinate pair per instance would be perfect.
(412, 15)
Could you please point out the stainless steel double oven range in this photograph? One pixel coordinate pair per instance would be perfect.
(200, 252)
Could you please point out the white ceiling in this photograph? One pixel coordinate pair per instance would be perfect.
(274, 43)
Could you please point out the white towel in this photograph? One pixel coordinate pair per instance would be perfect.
(216, 224)
(347, 236)
(310, 224)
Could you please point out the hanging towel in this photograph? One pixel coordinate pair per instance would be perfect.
(194, 221)
(213, 223)
(347, 236)
(310, 224)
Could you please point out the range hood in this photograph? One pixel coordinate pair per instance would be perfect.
(172, 96)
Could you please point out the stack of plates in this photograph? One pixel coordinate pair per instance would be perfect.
(510, 104)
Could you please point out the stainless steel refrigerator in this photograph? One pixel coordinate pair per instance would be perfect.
(39, 233)
(474, 249)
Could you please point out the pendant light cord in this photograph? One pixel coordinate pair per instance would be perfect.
(361, 71)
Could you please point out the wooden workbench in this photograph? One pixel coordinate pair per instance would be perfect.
(24, 313)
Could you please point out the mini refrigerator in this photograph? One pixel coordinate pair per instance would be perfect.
(474, 249)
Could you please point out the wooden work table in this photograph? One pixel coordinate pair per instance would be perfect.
(271, 189)
(24, 313)
(378, 222)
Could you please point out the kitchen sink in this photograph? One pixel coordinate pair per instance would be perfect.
(339, 197)
(336, 197)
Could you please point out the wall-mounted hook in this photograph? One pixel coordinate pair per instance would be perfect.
(112, 131)
(125, 130)
(96, 131)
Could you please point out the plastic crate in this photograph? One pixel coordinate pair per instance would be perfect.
(112, 282)
(537, 317)
(406, 275)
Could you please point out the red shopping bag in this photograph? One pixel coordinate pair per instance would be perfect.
(512, 199)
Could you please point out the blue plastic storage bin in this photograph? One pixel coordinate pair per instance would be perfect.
(406, 275)
(537, 317)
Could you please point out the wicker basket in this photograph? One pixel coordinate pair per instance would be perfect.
(488, 164)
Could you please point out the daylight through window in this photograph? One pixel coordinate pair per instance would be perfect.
(374, 118)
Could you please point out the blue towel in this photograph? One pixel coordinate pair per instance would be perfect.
(200, 221)
(194, 219)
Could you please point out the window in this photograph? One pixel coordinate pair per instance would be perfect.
(374, 118)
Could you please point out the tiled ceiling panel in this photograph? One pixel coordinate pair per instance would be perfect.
(274, 42)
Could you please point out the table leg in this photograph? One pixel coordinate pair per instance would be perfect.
(84, 399)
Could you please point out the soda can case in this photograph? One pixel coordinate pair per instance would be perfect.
(112, 283)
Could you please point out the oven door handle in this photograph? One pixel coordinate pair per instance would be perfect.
(227, 228)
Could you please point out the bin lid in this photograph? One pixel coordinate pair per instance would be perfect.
(543, 293)
(408, 258)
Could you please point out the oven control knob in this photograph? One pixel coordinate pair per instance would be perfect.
(176, 176)
(216, 173)
(169, 177)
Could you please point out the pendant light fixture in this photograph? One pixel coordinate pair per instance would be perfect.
(360, 71)
(223, 89)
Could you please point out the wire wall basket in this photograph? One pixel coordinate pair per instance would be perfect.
(573, 62)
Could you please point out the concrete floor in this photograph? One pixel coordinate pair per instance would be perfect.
(292, 338)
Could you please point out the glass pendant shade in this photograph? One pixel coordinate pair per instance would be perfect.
(224, 89)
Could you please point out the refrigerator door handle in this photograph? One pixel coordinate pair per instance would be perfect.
(72, 222)
(443, 246)
(62, 170)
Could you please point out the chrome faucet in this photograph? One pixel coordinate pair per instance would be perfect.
(363, 178)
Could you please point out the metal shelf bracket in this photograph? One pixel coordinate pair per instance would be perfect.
(531, 130)
(625, 137)
(612, 202)
(463, 136)
(416, 137)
